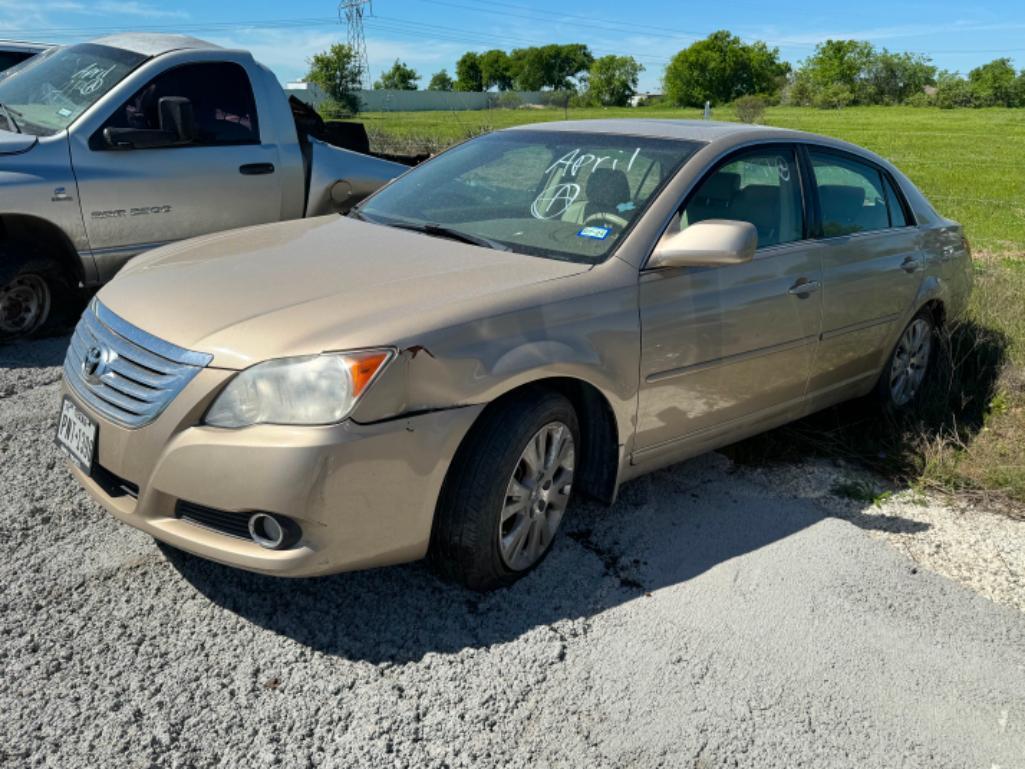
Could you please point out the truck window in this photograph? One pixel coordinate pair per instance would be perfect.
(221, 96)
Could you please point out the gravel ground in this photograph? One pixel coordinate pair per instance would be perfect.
(714, 617)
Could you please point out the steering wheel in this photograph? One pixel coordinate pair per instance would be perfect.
(604, 217)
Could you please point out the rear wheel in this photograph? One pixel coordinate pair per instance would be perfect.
(905, 372)
(507, 492)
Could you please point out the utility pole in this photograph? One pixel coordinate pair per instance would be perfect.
(351, 12)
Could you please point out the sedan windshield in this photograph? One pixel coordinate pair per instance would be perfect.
(47, 93)
(564, 195)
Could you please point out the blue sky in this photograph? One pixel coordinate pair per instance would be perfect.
(432, 34)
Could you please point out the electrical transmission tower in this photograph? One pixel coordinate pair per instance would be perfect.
(353, 11)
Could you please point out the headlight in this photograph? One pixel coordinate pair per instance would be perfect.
(314, 390)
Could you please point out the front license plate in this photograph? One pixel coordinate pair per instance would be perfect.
(76, 435)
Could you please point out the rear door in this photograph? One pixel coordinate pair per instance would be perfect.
(133, 199)
(730, 346)
(872, 266)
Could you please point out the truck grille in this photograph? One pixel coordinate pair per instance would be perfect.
(125, 374)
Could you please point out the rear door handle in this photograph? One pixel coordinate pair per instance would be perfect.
(256, 169)
(804, 287)
(912, 264)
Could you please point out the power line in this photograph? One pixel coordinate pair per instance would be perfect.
(353, 11)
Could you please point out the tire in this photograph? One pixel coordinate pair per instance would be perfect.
(492, 491)
(35, 297)
(907, 368)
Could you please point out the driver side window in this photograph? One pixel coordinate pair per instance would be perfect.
(762, 187)
(221, 96)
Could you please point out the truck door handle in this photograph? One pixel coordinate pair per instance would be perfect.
(256, 169)
(804, 287)
(912, 264)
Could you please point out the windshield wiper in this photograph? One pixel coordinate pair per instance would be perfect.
(440, 231)
(8, 115)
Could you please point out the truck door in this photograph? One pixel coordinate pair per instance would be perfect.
(135, 199)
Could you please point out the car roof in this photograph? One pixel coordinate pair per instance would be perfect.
(720, 136)
(690, 130)
(153, 44)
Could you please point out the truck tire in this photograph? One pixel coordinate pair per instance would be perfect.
(506, 492)
(35, 297)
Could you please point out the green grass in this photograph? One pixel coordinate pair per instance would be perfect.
(969, 436)
(970, 163)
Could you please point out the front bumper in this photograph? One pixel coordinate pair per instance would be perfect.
(364, 495)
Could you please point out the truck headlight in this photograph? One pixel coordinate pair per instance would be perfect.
(313, 390)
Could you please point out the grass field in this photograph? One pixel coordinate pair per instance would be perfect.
(970, 435)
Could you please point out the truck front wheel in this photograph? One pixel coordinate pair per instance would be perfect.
(31, 297)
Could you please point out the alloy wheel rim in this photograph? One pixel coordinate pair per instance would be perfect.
(537, 496)
(910, 360)
(24, 304)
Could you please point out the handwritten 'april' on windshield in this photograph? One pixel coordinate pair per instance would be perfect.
(555, 200)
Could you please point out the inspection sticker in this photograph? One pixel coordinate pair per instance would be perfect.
(598, 233)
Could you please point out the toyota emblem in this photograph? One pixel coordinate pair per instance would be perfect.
(95, 364)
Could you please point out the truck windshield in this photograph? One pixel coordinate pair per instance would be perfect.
(47, 93)
(558, 194)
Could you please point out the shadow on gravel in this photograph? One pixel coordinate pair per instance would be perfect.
(37, 353)
(664, 530)
(952, 408)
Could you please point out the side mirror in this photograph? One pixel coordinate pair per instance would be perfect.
(177, 118)
(177, 127)
(711, 243)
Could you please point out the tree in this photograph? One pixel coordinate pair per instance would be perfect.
(440, 81)
(1018, 92)
(495, 70)
(400, 77)
(550, 66)
(846, 63)
(721, 68)
(893, 78)
(993, 84)
(952, 91)
(612, 80)
(338, 73)
(468, 73)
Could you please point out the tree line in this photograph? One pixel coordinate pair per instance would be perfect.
(720, 69)
(567, 71)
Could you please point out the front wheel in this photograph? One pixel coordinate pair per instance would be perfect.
(904, 374)
(31, 296)
(507, 492)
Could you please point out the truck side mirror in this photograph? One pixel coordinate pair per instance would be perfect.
(177, 127)
(177, 118)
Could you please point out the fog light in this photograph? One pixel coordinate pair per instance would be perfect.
(272, 532)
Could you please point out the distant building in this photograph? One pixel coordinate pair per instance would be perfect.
(639, 98)
(310, 93)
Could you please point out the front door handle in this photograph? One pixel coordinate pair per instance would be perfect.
(256, 169)
(804, 287)
(912, 264)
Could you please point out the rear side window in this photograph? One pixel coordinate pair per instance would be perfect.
(898, 218)
(851, 194)
(221, 96)
(761, 187)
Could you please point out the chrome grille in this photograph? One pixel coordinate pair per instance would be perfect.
(124, 373)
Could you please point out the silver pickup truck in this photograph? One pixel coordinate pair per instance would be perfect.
(113, 147)
(14, 52)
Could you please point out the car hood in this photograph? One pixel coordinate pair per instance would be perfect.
(306, 286)
(12, 143)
